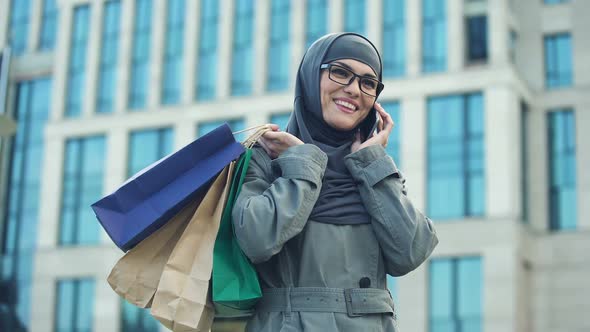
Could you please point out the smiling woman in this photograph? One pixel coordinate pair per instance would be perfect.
(323, 212)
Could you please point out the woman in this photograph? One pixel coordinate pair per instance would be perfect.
(323, 213)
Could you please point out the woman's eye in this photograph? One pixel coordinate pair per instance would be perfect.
(369, 84)
(340, 72)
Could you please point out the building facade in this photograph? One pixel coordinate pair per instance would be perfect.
(491, 100)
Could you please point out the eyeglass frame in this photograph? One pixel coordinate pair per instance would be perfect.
(380, 85)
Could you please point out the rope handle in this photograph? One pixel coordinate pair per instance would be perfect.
(251, 140)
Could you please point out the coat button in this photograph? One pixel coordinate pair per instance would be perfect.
(365, 282)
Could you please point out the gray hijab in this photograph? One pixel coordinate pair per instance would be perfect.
(339, 201)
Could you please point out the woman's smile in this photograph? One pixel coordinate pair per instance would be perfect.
(346, 105)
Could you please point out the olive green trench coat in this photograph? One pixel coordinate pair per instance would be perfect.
(289, 250)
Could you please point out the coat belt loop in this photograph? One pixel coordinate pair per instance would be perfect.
(288, 302)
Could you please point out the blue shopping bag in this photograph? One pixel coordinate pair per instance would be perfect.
(150, 198)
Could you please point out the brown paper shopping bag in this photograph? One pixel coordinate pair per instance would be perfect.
(182, 301)
(136, 275)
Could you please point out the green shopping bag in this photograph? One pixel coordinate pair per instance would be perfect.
(235, 286)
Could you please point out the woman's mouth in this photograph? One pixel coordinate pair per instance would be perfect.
(345, 106)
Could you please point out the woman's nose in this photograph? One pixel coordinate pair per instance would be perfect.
(353, 87)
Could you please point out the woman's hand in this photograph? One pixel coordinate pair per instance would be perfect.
(275, 142)
(385, 127)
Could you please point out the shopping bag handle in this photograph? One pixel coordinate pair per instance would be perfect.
(251, 140)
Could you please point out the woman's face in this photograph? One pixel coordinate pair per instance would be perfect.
(345, 106)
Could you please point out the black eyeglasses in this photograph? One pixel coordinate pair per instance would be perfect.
(345, 76)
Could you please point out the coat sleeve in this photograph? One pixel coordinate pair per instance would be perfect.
(268, 212)
(405, 235)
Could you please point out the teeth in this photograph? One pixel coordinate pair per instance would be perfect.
(345, 104)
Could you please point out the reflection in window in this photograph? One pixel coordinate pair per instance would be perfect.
(77, 61)
(75, 305)
(48, 25)
(173, 49)
(354, 16)
(562, 169)
(242, 54)
(316, 22)
(434, 36)
(278, 49)
(207, 61)
(19, 230)
(82, 186)
(140, 54)
(394, 38)
(147, 147)
(20, 12)
(107, 72)
(456, 177)
(558, 61)
(455, 295)
(477, 38)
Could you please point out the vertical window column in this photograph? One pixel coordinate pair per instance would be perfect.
(434, 36)
(394, 38)
(278, 46)
(355, 16)
(172, 70)
(393, 145)
(455, 295)
(19, 230)
(48, 25)
(558, 61)
(562, 170)
(82, 185)
(77, 61)
(455, 156)
(207, 61)
(476, 30)
(242, 48)
(111, 27)
(140, 54)
(20, 12)
(74, 305)
(316, 20)
(147, 147)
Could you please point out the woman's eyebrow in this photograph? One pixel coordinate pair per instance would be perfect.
(350, 68)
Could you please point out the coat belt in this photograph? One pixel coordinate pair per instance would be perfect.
(353, 301)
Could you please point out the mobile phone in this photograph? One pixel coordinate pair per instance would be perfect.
(369, 127)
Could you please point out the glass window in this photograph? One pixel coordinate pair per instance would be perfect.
(477, 38)
(524, 161)
(82, 186)
(434, 36)
(562, 169)
(456, 156)
(242, 61)
(456, 295)
(140, 55)
(354, 16)
(558, 61)
(394, 38)
(392, 286)
(173, 50)
(235, 125)
(393, 145)
(134, 319)
(278, 49)
(513, 41)
(19, 230)
(552, 2)
(77, 61)
(281, 120)
(107, 73)
(316, 22)
(147, 147)
(20, 12)
(75, 305)
(207, 62)
(48, 25)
